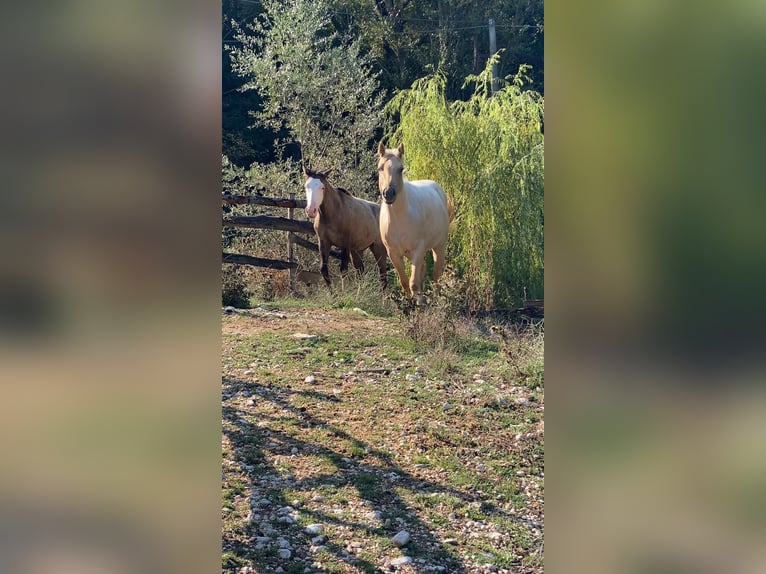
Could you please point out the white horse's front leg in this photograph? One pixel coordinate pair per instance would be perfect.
(417, 276)
(398, 262)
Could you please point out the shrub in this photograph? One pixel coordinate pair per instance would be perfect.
(487, 154)
(234, 292)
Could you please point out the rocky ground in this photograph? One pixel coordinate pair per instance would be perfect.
(349, 448)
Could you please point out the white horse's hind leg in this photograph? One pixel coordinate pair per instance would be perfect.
(440, 260)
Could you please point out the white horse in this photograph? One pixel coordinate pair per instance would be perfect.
(414, 218)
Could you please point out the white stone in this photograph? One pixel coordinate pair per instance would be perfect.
(314, 529)
(401, 561)
(402, 538)
(310, 379)
(284, 553)
(305, 337)
(283, 543)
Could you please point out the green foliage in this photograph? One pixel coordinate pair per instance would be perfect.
(487, 153)
(234, 292)
(409, 39)
(404, 40)
(315, 83)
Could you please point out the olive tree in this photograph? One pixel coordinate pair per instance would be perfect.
(317, 86)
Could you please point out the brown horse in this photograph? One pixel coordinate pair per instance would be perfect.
(345, 221)
(414, 218)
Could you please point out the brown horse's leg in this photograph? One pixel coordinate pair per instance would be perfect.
(344, 259)
(324, 254)
(379, 251)
(401, 271)
(356, 259)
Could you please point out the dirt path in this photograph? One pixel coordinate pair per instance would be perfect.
(340, 436)
(289, 321)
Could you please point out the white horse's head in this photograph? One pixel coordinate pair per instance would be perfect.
(314, 186)
(390, 172)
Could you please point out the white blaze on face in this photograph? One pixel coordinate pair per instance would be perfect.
(314, 195)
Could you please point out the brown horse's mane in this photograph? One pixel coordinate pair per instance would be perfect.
(323, 178)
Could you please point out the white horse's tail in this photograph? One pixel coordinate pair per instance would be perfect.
(450, 212)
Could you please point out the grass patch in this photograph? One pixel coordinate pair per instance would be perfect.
(352, 292)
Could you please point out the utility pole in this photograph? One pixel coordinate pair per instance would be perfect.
(492, 50)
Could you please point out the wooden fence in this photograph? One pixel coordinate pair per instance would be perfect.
(531, 308)
(288, 224)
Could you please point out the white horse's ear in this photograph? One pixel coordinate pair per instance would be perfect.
(305, 171)
(400, 150)
(381, 149)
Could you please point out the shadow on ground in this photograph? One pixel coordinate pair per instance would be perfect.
(375, 478)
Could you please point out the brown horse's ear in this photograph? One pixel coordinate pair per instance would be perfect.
(381, 149)
(326, 172)
(400, 150)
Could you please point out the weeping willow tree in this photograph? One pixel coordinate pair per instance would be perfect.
(487, 153)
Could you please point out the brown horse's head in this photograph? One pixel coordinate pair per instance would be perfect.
(314, 185)
(390, 169)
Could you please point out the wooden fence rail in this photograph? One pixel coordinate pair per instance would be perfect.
(269, 222)
(314, 247)
(262, 200)
(256, 261)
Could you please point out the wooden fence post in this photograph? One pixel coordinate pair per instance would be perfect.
(290, 257)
